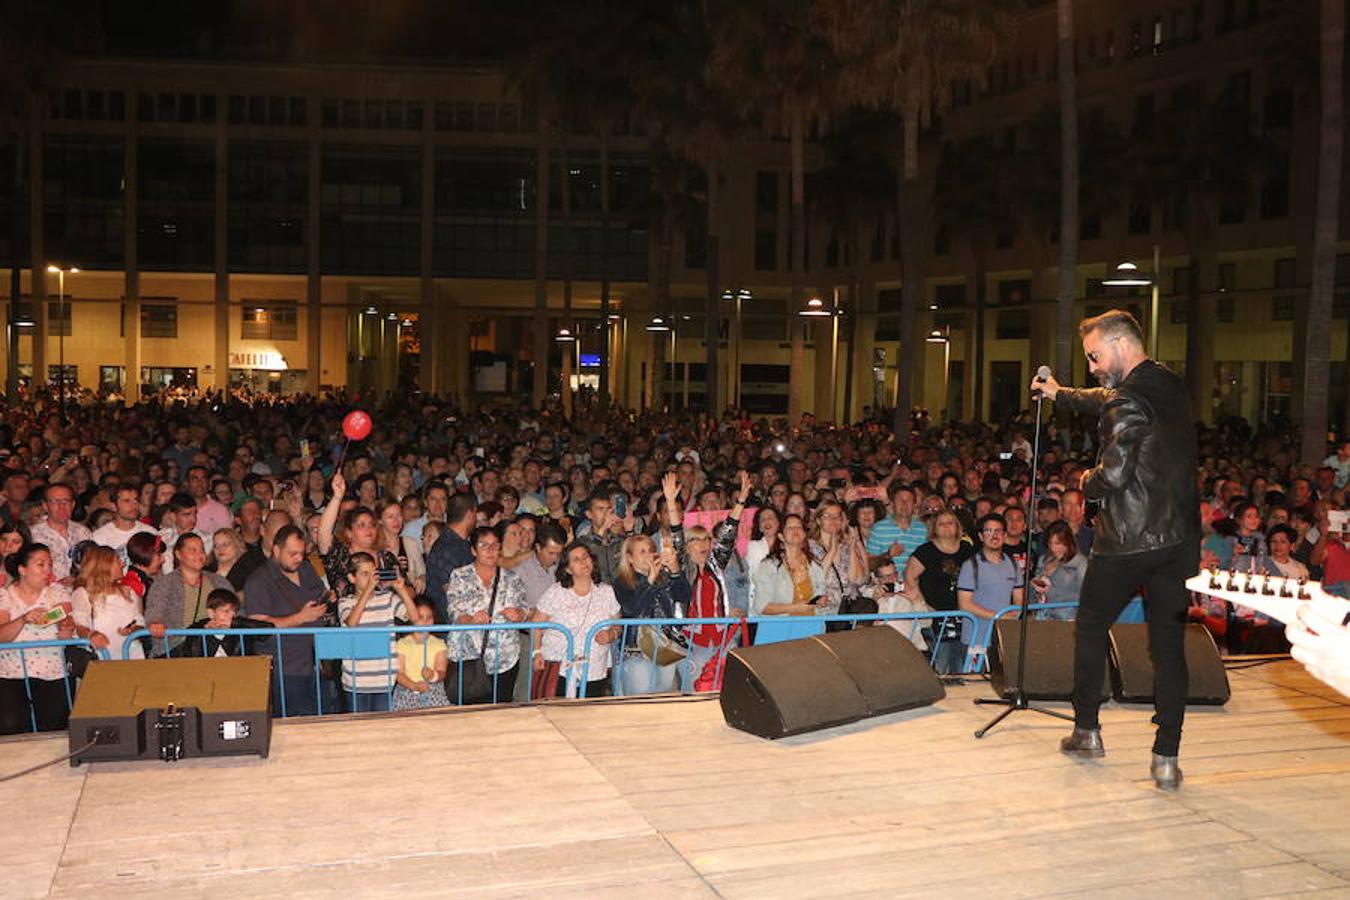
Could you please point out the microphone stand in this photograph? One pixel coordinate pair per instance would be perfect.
(1017, 697)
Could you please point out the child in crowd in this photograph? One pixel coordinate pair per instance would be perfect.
(222, 612)
(421, 663)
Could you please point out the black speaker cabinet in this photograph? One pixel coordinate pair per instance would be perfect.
(172, 708)
(1132, 670)
(775, 690)
(1049, 663)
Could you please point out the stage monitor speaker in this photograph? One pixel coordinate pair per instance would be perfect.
(1049, 664)
(1132, 669)
(775, 690)
(170, 709)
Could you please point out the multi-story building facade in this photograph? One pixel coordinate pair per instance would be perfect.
(302, 227)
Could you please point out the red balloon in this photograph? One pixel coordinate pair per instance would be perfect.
(356, 426)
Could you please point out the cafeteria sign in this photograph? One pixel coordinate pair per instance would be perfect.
(266, 360)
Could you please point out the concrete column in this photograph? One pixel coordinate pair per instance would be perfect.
(221, 356)
(313, 279)
(38, 284)
(131, 290)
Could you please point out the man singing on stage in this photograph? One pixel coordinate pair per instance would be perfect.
(1148, 529)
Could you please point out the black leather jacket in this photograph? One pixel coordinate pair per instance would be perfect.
(1145, 477)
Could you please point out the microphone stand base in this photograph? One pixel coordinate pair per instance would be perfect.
(1014, 703)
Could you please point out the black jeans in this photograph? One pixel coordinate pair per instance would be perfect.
(49, 706)
(1109, 584)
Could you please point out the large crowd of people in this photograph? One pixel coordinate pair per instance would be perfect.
(210, 512)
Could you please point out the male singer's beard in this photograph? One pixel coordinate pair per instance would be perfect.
(1108, 379)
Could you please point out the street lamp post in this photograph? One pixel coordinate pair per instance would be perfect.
(1127, 274)
(936, 336)
(60, 274)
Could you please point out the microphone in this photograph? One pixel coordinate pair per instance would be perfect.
(1042, 375)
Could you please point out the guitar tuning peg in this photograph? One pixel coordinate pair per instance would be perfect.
(1268, 586)
(1249, 583)
(1232, 580)
(1303, 589)
(1284, 587)
(1214, 584)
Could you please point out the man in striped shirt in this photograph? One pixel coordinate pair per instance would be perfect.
(898, 535)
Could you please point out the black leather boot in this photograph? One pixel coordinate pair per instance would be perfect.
(1085, 743)
(1166, 772)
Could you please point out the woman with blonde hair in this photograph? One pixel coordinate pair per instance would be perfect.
(930, 579)
(101, 608)
(649, 585)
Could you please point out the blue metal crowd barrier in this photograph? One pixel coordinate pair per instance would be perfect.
(979, 658)
(970, 619)
(22, 647)
(348, 645)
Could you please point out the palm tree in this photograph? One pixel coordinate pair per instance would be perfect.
(905, 55)
(1068, 190)
(976, 203)
(33, 34)
(1305, 52)
(848, 194)
(1317, 352)
(1206, 153)
(772, 59)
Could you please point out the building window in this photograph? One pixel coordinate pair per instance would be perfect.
(1181, 279)
(1282, 309)
(159, 320)
(271, 320)
(1275, 198)
(84, 219)
(950, 296)
(1227, 276)
(176, 220)
(371, 208)
(1013, 325)
(268, 210)
(58, 317)
(1181, 309)
(766, 249)
(72, 375)
(766, 193)
(1225, 308)
(112, 378)
(1013, 291)
(1284, 272)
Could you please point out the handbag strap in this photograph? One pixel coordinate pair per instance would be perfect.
(492, 606)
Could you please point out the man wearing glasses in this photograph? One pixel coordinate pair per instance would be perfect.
(58, 531)
(989, 580)
(1148, 532)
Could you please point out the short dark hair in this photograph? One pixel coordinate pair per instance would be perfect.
(991, 517)
(461, 506)
(181, 501)
(285, 533)
(1285, 530)
(222, 597)
(896, 487)
(549, 531)
(1114, 323)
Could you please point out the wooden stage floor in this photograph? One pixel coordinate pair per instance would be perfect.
(663, 800)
